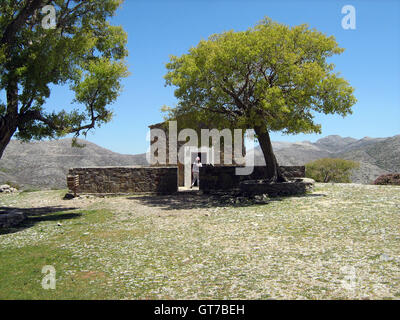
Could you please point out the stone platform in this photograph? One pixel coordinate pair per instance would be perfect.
(224, 178)
(295, 187)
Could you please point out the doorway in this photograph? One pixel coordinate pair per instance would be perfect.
(191, 153)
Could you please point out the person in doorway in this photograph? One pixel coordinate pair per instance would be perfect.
(196, 172)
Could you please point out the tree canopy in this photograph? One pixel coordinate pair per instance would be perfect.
(83, 51)
(271, 77)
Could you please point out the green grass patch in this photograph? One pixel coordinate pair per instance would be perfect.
(21, 275)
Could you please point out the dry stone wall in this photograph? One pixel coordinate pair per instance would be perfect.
(299, 186)
(224, 178)
(118, 180)
(162, 180)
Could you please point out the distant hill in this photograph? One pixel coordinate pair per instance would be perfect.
(376, 155)
(383, 153)
(45, 164)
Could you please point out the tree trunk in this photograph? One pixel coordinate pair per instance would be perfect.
(8, 123)
(272, 170)
(6, 132)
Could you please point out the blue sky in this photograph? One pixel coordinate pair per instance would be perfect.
(158, 28)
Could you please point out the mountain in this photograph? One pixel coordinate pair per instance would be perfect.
(334, 143)
(45, 164)
(383, 153)
(376, 156)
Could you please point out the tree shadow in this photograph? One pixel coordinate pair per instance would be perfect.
(309, 195)
(195, 200)
(190, 200)
(37, 215)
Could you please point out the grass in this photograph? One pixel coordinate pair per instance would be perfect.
(189, 247)
(29, 190)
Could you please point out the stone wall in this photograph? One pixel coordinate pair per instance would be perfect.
(224, 178)
(299, 186)
(118, 180)
(164, 126)
(294, 171)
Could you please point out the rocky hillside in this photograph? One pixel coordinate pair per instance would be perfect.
(45, 164)
(376, 155)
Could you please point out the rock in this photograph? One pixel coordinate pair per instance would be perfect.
(5, 188)
(242, 199)
(261, 199)
(309, 183)
(69, 196)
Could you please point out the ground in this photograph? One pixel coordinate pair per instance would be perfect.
(341, 242)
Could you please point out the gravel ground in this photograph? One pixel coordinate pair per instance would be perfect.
(341, 242)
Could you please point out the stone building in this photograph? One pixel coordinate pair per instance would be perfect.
(207, 151)
(165, 178)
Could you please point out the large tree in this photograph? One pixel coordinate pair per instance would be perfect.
(269, 78)
(81, 50)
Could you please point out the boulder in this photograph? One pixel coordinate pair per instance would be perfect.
(5, 188)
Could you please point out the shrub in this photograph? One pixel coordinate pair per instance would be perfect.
(388, 179)
(13, 185)
(331, 170)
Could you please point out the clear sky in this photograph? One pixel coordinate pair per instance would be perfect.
(158, 28)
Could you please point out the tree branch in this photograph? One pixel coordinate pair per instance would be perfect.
(36, 115)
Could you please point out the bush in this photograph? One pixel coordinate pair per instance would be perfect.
(13, 185)
(388, 179)
(331, 170)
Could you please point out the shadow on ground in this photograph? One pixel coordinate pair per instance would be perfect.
(37, 215)
(309, 195)
(184, 201)
(193, 200)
